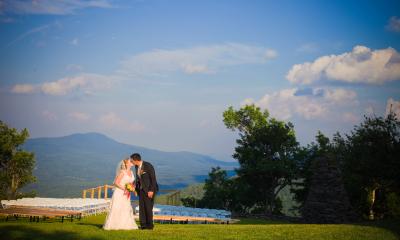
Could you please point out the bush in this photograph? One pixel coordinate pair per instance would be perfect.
(393, 204)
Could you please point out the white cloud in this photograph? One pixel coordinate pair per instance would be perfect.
(84, 82)
(306, 103)
(197, 60)
(190, 69)
(50, 7)
(340, 95)
(157, 63)
(393, 24)
(393, 106)
(23, 88)
(284, 104)
(80, 116)
(361, 65)
(270, 54)
(113, 121)
(203, 59)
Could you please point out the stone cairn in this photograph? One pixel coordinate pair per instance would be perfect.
(327, 200)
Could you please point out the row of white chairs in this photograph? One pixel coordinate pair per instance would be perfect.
(194, 210)
(190, 212)
(95, 206)
(86, 206)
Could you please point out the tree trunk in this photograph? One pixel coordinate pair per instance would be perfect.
(14, 187)
(269, 202)
(266, 209)
(371, 196)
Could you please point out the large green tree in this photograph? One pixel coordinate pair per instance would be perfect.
(371, 164)
(266, 151)
(16, 165)
(217, 190)
(369, 160)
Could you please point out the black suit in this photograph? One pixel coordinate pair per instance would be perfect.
(146, 182)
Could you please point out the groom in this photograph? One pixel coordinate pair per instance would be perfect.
(147, 187)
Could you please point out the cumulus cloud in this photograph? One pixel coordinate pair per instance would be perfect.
(340, 95)
(50, 7)
(393, 106)
(393, 24)
(361, 65)
(84, 82)
(283, 104)
(80, 116)
(203, 59)
(23, 88)
(112, 120)
(306, 103)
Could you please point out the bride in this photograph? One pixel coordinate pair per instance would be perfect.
(120, 216)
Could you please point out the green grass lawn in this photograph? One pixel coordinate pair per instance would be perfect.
(90, 229)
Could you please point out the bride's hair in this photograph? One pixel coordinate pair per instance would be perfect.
(122, 166)
(126, 161)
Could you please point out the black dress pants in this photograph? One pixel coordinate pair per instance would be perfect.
(145, 210)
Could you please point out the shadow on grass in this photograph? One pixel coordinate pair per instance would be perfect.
(392, 225)
(260, 221)
(99, 226)
(24, 232)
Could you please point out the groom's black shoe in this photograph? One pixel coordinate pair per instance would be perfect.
(146, 227)
(150, 227)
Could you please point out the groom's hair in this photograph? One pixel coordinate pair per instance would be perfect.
(136, 157)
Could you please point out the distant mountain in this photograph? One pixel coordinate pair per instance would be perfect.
(66, 165)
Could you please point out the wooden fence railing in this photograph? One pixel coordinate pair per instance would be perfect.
(173, 196)
(99, 190)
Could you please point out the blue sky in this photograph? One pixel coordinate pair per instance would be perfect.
(160, 73)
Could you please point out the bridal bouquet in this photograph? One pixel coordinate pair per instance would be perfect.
(128, 189)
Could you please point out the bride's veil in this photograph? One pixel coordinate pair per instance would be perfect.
(120, 167)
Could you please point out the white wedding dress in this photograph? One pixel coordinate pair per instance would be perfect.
(120, 216)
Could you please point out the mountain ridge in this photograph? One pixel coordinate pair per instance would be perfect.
(137, 146)
(68, 164)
